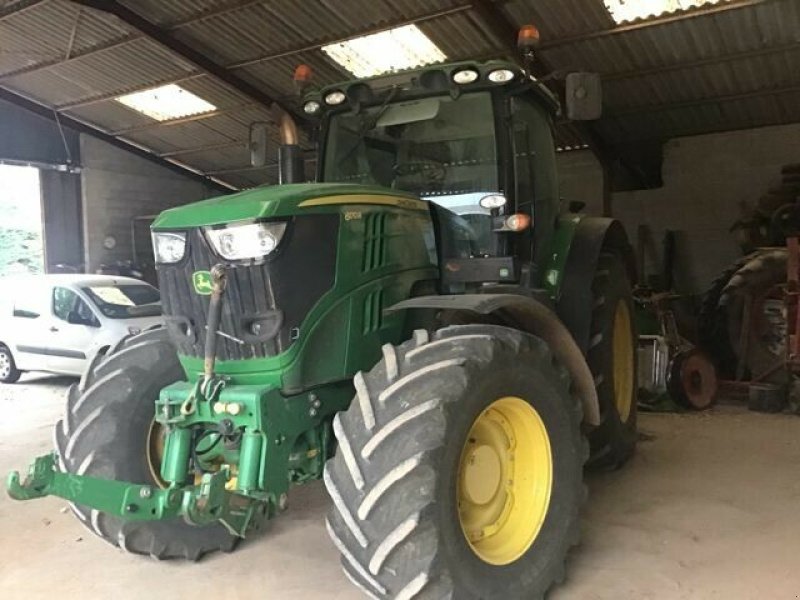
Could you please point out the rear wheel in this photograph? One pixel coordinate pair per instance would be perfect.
(8, 368)
(459, 469)
(109, 431)
(758, 283)
(612, 359)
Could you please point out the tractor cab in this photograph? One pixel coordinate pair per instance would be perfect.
(473, 139)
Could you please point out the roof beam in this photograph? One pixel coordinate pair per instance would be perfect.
(704, 62)
(206, 148)
(82, 127)
(18, 8)
(702, 11)
(122, 41)
(652, 108)
(161, 36)
(430, 16)
(265, 58)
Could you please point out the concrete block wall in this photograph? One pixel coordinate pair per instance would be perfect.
(706, 178)
(116, 187)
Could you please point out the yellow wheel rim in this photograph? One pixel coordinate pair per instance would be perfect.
(155, 451)
(622, 344)
(505, 478)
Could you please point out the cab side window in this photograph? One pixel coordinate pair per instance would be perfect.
(65, 301)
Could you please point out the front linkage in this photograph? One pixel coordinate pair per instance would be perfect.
(239, 442)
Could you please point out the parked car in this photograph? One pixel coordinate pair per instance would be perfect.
(58, 323)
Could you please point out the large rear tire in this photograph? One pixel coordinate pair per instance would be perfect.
(106, 432)
(472, 433)
(612, 360)
(712, 323)
(759, 282)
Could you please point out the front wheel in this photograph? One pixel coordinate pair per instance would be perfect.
(459, 469)
(109, 431)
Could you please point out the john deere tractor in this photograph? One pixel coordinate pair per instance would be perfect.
(423, 328)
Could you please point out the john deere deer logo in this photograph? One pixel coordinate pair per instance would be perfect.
(202, 282)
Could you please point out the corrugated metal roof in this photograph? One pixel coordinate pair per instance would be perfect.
(729, 68)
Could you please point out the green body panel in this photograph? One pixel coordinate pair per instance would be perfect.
(383, 251)
(260, 203)
(558, 252)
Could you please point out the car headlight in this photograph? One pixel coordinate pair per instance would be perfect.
(169, 247)
(247, 241)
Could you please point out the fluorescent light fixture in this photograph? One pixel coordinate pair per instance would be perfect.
(166, 102)
(391, 50)
(623, 11)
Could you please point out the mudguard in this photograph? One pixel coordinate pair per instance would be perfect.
(593, 235)
(527, 314)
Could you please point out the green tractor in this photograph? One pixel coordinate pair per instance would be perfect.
(422, 328)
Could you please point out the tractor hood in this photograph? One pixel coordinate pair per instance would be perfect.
(274, 201)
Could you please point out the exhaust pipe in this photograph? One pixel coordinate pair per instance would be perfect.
(291, 163)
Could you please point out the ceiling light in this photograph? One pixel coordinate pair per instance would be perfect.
(623, 11)
(166, 102)
(391, 50)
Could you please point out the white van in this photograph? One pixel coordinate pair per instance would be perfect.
(58, 323)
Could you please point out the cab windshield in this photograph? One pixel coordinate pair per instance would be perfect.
(440, 149)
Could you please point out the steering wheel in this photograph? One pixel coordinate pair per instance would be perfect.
(434, 170)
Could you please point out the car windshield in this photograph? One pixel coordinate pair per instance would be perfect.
(125, 301)
(440, 149)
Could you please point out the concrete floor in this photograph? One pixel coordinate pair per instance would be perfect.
(708, 509)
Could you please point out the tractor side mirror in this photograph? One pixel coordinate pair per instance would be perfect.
(259, 142)
(584, 96)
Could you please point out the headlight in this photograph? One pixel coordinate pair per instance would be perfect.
(335, 98)
(311, 107)
(247, 241)
(465, 76)
(169, 247)
(501, 76)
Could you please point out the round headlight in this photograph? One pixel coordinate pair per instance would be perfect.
(335, 98)
(465, 76)
(311, 107)
(501, 76)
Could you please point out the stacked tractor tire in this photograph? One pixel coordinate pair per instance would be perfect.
(748, 293)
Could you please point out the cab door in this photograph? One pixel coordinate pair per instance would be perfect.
(73, 329)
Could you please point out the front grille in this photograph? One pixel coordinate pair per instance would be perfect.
(280, 291)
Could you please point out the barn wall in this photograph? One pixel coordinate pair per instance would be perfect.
(706, 179)
(117, 187)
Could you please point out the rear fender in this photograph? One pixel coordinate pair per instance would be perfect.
(526, 314)
(592, 236)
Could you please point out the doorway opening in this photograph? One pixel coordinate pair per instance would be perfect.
(21, 245)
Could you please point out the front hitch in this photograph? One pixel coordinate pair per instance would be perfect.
(199, 505)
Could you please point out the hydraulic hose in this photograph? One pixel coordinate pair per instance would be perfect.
(218, 278)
